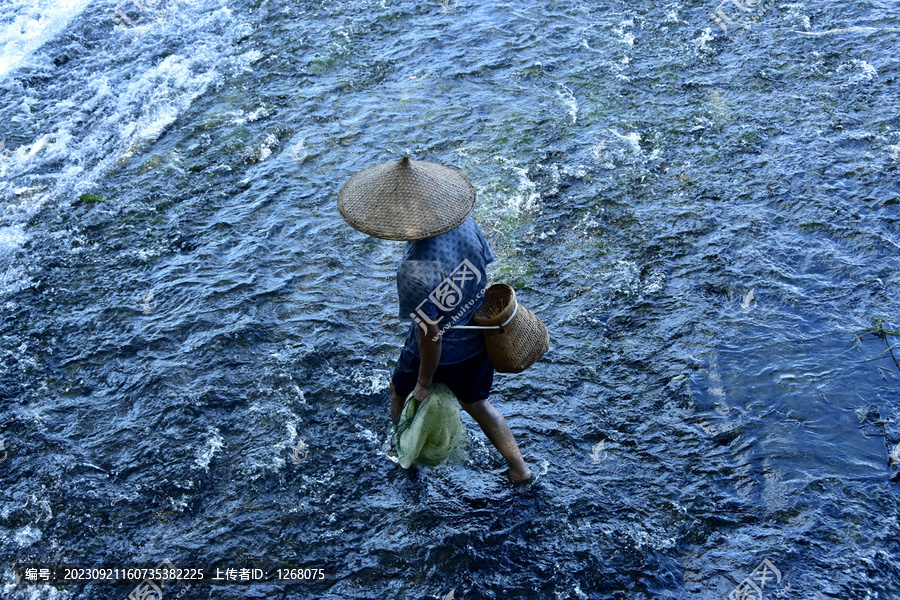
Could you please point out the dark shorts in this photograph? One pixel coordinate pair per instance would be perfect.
(469, 380)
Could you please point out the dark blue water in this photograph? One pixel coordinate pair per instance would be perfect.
(195, 348)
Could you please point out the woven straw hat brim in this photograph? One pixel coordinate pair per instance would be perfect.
(406, 199)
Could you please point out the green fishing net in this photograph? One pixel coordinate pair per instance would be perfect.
(429, 433)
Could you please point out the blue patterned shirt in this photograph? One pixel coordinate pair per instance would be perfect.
(442, 280)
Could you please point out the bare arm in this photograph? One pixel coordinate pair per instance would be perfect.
(430, 354)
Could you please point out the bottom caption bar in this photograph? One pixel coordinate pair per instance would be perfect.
(165, 572)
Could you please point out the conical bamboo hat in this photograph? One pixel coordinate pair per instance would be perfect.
(406, 199)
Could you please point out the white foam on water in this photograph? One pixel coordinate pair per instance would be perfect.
(120, 110)
(795, 12)
(623, 277)
(568, 99)
(655, 283)
(526, 195)
(27, 536)
(388, 448)
(626, 36)
(371, 382)
(31, 591)
(291, 451)
(864, 72)
(576, 589)
(171, 88)
(579, 171)
(672, 16)
(12, 276)
(633, 139)
(702, 42)
(895, 153)
(213, 445)
(367, 435)
(29, 24)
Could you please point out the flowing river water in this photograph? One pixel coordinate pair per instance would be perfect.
(195, 348)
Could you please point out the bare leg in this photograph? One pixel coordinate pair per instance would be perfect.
(396, 404)
(497, 430)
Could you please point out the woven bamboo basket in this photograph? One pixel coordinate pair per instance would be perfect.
(522, 341)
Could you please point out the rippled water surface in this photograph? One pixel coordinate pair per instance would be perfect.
(196, 348)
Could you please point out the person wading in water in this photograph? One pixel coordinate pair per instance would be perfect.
(440, 282)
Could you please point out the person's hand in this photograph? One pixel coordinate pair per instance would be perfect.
(421, 393)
